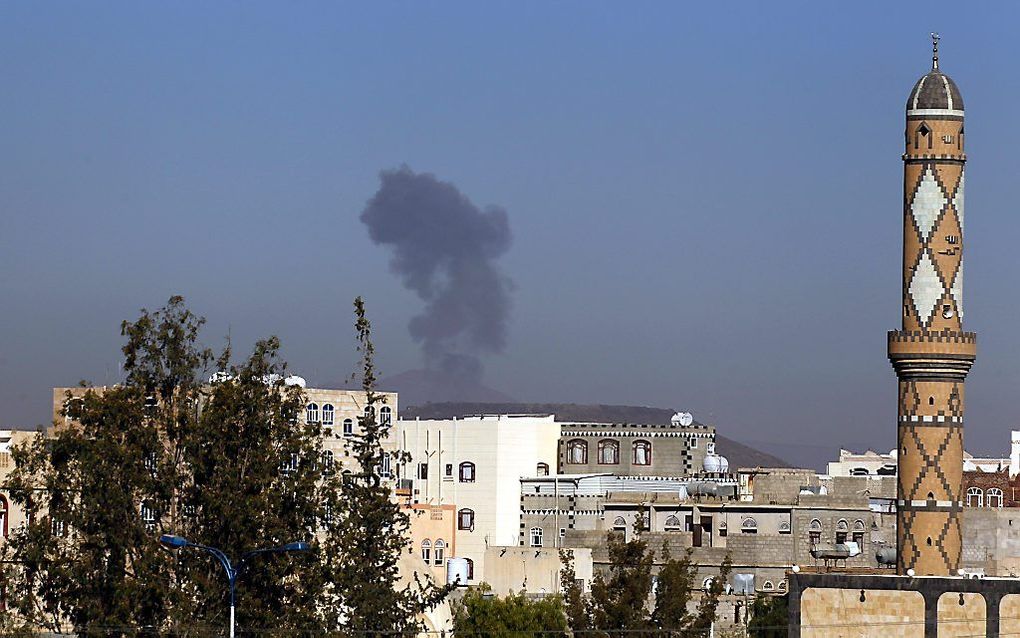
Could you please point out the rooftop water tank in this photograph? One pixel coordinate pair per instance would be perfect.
(457, 572)
(715, 463)
(295, 380)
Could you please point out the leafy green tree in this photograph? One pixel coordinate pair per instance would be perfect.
(480, 613)
(224, 464)
(673, 590)
(367, 530)
(709, 603)
(619, 594)
(574, 603)
(768, 617)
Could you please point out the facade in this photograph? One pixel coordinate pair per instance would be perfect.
(932, 354)
(474, 465)
(10, 515)
(678, 448)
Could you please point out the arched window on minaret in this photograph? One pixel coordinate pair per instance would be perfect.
(922, 132)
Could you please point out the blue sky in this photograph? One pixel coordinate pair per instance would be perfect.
(704, 198)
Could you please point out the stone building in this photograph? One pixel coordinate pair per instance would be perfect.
(11, 516)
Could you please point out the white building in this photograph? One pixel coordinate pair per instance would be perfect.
(475, 464)
(871, 463)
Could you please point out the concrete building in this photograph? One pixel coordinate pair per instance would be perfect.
(474, 464)
(11, 516)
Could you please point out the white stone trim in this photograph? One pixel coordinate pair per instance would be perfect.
(933, 112)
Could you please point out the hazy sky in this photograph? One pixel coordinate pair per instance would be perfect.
(705, 198)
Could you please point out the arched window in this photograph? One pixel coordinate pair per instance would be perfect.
(327, 414)
(536, 536)
(815, 531)
(784, 527)
(858, 535)
(767, 586)
(542, 469)
(620, 524)
(642, 453)
(148, 513)
(782, 585)
(385, 415)
(859, 471)
(440, 552)
(466, 519)
(975, 497)
(467, 472)
(471, 568)
(426, 551)
(749, 526)
(369, 412)
(577, 452)
(4, 516)
(994, 497)
(312, 413)
(609, 452)
(707, 583)
(842, 528)
(327, 462)
(348, 428)
(672, 524)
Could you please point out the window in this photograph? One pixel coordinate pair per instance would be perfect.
(327, 462)
(58, 527)
(348, 428)
(327, 414)
(369, 412)
(466, 519)
(312, 413)
(620, 524)
(3, 517)
(859, 471)
(722, 528)
(543, 469)
(767, 586)
(749, 526)
(707, 583)
(672, 524)
(694, 442)
(994, 498)
(858, 535)
(385, 415)
(467, 472)
(449, 470)
(842, 528)
(426, 551)
(563, 532)
(471, 568)
(975, 497)
(439, 554)
(387, 467)
(642, 453)
(536, 536)
(577, 452)
(423, 471)
(290, 465)
(148, 516)
(784, 527)
(782, 585)
(815, 531)
(609, 452)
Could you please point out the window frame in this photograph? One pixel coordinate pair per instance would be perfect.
(328, 409)
(439, 553)
(671, 527)
(466, 519)
(426, 551)
(638, 445)
(536, 537)
(749, 525)
(348, 428)
(385, 415)
(466, 472)
(577, 444)
(312, 412)
(542, 469)
(979, 493)
(613, 447)
(996, 493)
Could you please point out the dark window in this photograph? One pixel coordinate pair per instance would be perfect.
(543, 469)
(466, 519)
(423, 471)
(467, 472)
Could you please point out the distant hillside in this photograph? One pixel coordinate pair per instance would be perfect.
(419, 386)
(738, 454)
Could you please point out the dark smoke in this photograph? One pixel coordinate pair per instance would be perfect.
(443, 249)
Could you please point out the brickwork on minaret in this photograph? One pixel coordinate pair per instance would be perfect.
(932, 354)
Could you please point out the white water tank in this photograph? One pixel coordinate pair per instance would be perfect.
(715, 463)
(295, 380)
(457, 571)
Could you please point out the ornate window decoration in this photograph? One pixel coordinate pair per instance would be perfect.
(858, 535)
(815, 531)
(842, 529)
(609, 452)
(994, 497)
(672, 524)
(577, 452)
(749, 526)
(784, 527)
(975, 497)
(768, 586)
(642, 453)
(620, 524)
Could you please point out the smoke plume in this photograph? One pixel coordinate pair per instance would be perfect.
(444, 249)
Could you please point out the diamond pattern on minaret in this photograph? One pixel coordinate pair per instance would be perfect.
(925, 288)
(958, 201)
(928, 203)
(957, 290)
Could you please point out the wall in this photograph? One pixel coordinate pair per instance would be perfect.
(676, 451)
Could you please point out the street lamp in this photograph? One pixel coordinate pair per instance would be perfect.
(179, 542)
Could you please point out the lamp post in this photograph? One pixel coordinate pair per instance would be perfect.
(179, 542)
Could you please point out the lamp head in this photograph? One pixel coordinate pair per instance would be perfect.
(172, 541)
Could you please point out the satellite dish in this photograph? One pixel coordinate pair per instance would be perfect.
(685, 418)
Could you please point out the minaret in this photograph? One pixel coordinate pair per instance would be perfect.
(931, 354)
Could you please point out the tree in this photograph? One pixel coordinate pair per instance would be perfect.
(705, 616)
(768, 617)
(480, 613)
(367, 531)
(574, 603)
(223, 463)
(673, 591)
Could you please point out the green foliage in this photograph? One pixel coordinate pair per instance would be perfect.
(481, 613)
(368, 531)
(225, 463)
(620, 594)
(768, 617)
